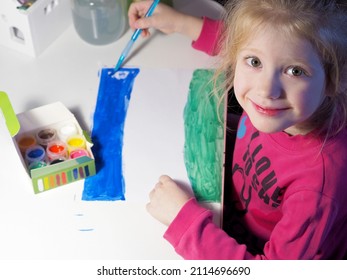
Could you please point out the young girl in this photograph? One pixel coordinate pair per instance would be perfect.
(287, 63)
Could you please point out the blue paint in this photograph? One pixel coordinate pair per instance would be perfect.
(107, 135)
(86, 170)
(37, 153)
(34, 154)
(241, 132)
(75, 173)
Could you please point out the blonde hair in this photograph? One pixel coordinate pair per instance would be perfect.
(322, 22)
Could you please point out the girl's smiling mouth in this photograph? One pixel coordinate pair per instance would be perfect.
(269, 111)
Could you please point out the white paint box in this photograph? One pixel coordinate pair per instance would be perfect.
(31, 31)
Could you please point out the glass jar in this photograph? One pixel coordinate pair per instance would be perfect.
(100, 22)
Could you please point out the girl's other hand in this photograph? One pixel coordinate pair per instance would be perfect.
(166, 200)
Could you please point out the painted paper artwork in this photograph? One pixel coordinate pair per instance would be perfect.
(107, 135)
(204, 137)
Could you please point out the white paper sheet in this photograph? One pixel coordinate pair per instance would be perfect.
(154, 130)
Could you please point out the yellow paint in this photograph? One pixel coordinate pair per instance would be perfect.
(46, 183)
(75, 142)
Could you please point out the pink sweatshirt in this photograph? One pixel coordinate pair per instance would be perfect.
(289, 200)
(208, 39)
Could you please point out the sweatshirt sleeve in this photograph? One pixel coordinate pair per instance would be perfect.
(300, 234)
(208, 39)
(307, 229)
(194, 235)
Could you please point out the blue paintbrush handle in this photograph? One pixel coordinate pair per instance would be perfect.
(134, 37)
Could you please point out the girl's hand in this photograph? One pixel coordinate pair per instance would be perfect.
(165, 18)
(166, 200)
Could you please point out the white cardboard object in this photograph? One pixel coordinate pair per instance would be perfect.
(31, 31)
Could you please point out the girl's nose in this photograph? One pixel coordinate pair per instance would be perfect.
(270, 86)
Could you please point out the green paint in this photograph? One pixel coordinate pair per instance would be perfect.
(204, 137)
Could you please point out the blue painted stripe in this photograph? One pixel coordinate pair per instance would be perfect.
(107, 135)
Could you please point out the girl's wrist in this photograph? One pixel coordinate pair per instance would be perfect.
(189, 26)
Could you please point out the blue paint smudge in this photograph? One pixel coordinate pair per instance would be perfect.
(242, 128)
(86, 229)
(107, 135)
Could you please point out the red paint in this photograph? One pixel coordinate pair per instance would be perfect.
(56, 149)
(63, 178)
(57, 179)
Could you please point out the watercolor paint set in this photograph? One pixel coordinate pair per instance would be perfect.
(53, 148)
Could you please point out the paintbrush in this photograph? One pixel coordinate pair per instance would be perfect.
(134, 37)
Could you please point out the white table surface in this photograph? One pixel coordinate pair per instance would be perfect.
(50, 225)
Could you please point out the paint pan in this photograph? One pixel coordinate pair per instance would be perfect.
(26, 141)
(66, 131)
(37, 164)
(78, 153)
(75, 142)
(57, 160)
(56, 150)
(35, 154)
(45, 136)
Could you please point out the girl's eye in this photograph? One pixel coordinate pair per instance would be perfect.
(253, 61)
(295, 71)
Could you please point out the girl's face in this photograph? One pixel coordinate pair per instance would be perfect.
(279, 81)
